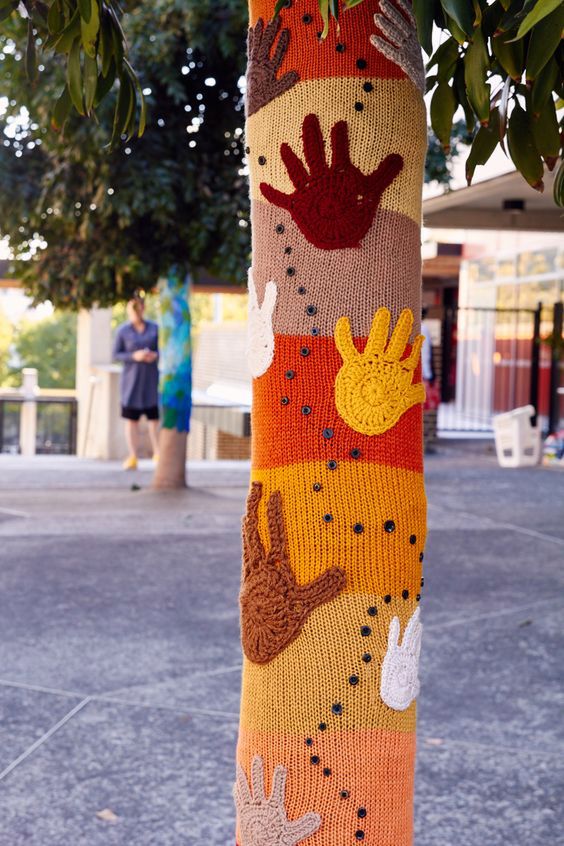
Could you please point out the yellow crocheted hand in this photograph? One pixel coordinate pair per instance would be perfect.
(374, 388)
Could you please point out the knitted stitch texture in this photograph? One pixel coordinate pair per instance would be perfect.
(335, 527)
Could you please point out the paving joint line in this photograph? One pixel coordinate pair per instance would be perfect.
(487, 615)
(521, 529)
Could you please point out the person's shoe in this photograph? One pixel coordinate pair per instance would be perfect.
(130, 463)
(155, 458)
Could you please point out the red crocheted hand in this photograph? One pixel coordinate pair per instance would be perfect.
(333, 205)
(262, 84)
(274, 607)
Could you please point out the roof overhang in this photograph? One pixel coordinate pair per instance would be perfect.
(481, 206)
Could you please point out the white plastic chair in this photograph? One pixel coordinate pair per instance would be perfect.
(517, 441)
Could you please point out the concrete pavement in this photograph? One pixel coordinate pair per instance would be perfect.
(120, 659)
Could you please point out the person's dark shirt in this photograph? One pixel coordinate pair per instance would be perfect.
(139, 385)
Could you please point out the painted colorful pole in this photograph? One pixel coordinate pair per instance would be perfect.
(175, 379)
(336, 518)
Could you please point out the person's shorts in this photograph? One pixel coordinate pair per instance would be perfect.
(135, 413)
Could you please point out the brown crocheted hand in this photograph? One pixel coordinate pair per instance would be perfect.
(333, 205)
(374, 388)
(262, 84)
(274, 607)
(262, 821)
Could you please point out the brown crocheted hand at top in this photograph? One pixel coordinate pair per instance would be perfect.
(333, 205)
(274, 607)
(262, 85)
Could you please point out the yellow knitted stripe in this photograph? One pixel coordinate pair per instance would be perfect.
(356, 492)
(394, 107)
(297, 690)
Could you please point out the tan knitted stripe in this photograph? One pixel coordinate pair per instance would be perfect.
(336, 282)
(393, 116)
(373, 769)
(296, 691)
(375, 561)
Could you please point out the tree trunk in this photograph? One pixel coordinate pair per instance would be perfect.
(176, 381)
(335, 526)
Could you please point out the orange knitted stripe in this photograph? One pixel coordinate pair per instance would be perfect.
(383, 786)
(315, 59)
(287, 433)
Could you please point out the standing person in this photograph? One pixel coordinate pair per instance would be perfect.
(137, 346)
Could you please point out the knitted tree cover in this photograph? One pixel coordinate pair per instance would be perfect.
(335, 527)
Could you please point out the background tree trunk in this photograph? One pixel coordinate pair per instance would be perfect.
(336, 517)
(176, 380)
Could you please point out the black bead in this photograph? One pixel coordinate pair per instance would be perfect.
(301, 290)
(322, 726)
(314, 759)
(387, 599)
(358, 528)
(319, 34)
(285, 400)
(418, 597)
(290, 271)
(344, 794)
(353, 680)
(316, 486)
(422, 581)
(405, 594)
(332, 464)
(326, 771)
(287, 4)
(368, 87)
(304, 351)
(372, 611)
(311, 310)
(314, 331)
(306, 409)
(359, 834)
(340, 48)
(358, 106)
(389, 526)
(421, 556)
(361, 64)
(367, 657)
(365, 631)
(261, 160)
(328, 433)
(309, 741)
(337, 708)
(290, 374)
(327, 517)
(355, 453)
(307, 19)
(361, 813)
(247, 150)
(287, 250)
(413, 539)
(279, 228)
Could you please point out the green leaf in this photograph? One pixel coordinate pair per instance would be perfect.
(462, 13)
(544, 41)
(89, 29)
(455, 30)
(522, 148)
(324, 11)
(61, 110)
(90, 81)
(510, 55)
(484, 143)
(541, 9)
(105, 82)
(142, 102)
(66, 39)
(30, 55)
(55, 19)
(279, 5)
(546, 132)
(460, 91)
(74, 77)
(105, 44)
(558, 187)
(544, 85)
(443, 107)
(124, 108)
(85, 8)
(423, 11)
(476, 66)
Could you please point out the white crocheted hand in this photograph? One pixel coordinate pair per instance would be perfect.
(400, 44)
(399, 683)
(262, 821)
(260, 344)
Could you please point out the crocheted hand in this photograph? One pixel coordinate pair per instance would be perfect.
(274, 607)
(402, 45)
(262, 85)
(373, 389)
(262, 821)
(333, 205)
(399, 683)
(260, 343)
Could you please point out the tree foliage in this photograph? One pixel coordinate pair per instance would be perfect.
(49, 345)
(99, 221)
